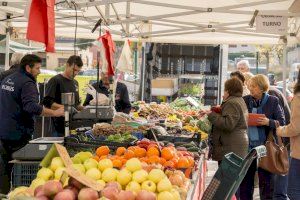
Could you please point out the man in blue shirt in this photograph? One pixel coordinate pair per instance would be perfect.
(19, 104)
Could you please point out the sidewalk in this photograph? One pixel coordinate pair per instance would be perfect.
(212, 168)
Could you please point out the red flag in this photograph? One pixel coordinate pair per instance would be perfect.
(109, 47)
(41, 23)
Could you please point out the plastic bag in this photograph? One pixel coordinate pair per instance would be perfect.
(103, 100)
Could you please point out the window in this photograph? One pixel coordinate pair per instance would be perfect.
(62, 61)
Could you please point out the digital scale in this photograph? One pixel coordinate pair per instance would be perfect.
(36, 149)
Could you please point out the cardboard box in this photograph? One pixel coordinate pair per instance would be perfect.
(165, 83)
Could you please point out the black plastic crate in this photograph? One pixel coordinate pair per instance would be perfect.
(23, 173)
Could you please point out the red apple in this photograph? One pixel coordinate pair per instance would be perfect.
(145, 195)
(126, 195)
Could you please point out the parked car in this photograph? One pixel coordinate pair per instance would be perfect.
(88, 72)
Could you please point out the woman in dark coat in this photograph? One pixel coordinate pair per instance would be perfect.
(261, 103)
(230, 125)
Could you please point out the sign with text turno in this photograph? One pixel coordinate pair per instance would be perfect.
(271, 24)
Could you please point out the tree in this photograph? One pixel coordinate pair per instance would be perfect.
(269, 54)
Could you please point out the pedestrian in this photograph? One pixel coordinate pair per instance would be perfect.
(260, 102)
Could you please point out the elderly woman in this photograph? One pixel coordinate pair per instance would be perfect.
(260, 102)
(241, 77)
(230, 125)
(293, 132)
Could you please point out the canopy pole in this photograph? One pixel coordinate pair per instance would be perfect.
(7, 45)
(143, 71)
(284, 63)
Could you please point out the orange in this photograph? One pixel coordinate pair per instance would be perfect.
(183, 163)
(191, 161)
(103, 150)
(96, 158)
(128, 154)
(167, 153)
(152, 151)
(132, 148)
(169, 164)
(120, 151)
(103, 157)
(154, 159)
(144, 159)
(124, 160)
(117, 163)
(139, 152)
(162, 161)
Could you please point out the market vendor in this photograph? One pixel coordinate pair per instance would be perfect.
(19, 104)
(122, 103)
(63, 83)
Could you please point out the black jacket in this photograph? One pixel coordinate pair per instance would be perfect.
(6, 73)
(19, 103)
(121, 98)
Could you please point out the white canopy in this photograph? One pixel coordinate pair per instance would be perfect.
(181, 21)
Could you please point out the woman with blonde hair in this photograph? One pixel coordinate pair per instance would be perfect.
(260, 102)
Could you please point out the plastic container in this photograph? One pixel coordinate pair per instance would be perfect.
(230, 174)
(23, 173)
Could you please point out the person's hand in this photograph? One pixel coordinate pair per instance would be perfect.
(204, 112)
(263, 121)
(60, 112)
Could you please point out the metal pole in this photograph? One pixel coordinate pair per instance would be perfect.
(284, 68)
(7, 48)
(143, 72)
(257, 56)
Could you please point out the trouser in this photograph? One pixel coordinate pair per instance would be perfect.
(265, 183)
(294, 180)
(7, 147)
(280, 187)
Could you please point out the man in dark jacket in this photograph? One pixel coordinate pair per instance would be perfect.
(14, 66)
(19, 104)
(122, 103)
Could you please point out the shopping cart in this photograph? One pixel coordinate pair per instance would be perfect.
(230, 174)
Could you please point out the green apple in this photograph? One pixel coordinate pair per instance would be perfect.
(59, 172)
(105, 164)
(109, 175)
(133, 165)
(156, 175)
(140, 176)
(93, 173)
(164, 185)
(101, 182)
(165, 196)
(149, 186)
(76, 159)
(79, 167)
(83, 156)
(133, 187)
(56, 163)
(90, 163)
(37, 182)
(45, 173)
(124, 177)
(175, 193)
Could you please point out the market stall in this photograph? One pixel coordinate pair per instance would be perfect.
(154, 141)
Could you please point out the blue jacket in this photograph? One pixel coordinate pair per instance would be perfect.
(19, 103)
(271, 109)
